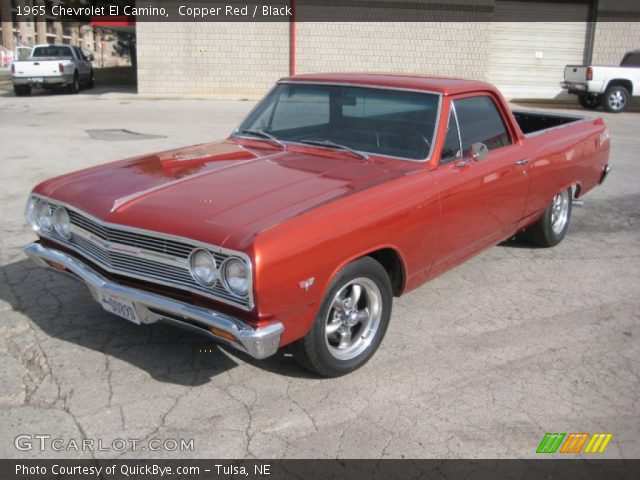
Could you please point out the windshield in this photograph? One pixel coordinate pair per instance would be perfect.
(53, 51)
(373, 120)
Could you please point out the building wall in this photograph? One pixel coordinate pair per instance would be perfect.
(436, 48)
(613, 35)
(245, 59)
(203, 58)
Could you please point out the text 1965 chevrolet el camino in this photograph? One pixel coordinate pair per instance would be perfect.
(335, 194)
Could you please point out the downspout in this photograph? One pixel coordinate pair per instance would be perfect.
(591, 31)
(292, 38)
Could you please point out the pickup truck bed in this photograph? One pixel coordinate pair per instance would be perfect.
(535, 122)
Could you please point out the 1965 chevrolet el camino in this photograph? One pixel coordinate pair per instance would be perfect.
(335, 194)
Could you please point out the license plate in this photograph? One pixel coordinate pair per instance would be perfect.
(37, 79)
(119, 306)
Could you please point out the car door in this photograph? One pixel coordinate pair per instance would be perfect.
(481, 199)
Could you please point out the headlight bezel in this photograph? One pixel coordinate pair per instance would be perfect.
(192, 268)
(62, 228)
(39, 221)
(224, 276)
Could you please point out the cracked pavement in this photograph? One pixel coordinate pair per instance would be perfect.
(479, 363)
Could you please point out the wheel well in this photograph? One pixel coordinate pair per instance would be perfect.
(620, 82)
(392, 263)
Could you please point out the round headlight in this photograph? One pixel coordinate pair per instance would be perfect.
(203, 267)
(61, 222)
(43, 216)
(236, 276)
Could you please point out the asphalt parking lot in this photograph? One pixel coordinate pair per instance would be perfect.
(479, 363)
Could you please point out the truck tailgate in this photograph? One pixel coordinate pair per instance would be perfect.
(37, 68)
(575, 73)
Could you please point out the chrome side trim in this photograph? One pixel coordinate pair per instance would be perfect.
(257, 342)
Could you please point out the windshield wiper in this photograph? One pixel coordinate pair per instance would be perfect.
(330, 144)
(263, 134)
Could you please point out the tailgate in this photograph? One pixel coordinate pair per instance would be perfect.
(37, 68)
(575, 73)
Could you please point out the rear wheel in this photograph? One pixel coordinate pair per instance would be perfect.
(74, 87)
(615, 99)
(552, 226)
(90, 82)
(351, 322)
(589, 101)
(22, 90)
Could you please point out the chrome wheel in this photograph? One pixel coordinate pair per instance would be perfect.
(353, 318)
(617, 100)
(560, 211)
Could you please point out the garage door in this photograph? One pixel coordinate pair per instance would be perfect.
(527, 60)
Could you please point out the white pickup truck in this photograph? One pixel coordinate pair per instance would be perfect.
(52, 66)
(611, 87)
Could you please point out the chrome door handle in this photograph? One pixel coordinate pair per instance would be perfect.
(523, 161)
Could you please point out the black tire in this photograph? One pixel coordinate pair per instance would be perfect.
(317, 351)
(74, 87)
(90, 82)
(551, 228)
(615, 99)
(590, 101)
(22, 90)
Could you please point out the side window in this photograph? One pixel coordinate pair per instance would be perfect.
(631, 59)
(451, 149)
(480, 121)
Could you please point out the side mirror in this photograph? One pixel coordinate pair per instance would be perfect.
(90, 57)
(479, 151)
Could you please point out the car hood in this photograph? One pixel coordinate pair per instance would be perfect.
(210, 192)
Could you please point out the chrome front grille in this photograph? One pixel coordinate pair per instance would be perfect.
(143, 256)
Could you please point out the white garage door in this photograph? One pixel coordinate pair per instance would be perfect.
(527, 60)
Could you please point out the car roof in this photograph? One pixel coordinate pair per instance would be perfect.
(443, 85)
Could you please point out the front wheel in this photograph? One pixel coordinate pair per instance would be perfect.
(552, 226)
(351, 322)
(590, 101)
(615, 99)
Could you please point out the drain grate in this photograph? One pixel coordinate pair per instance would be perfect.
(117, 134)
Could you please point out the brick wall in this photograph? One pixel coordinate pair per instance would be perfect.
(211, 58)
(245, 59)
(438, 48)
(613, 36)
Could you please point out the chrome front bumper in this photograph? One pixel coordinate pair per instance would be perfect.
(259, 343)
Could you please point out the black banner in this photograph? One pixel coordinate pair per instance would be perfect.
(131, 11)
(319, 469)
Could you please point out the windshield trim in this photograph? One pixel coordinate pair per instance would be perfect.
(236, 134)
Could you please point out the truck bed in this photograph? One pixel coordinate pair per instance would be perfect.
(535, 122)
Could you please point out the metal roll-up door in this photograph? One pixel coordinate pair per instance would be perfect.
(527, 59)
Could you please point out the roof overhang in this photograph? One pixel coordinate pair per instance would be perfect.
(122, 24)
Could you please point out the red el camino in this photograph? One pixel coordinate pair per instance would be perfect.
(337, 193)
